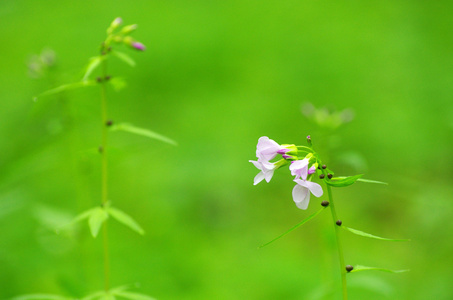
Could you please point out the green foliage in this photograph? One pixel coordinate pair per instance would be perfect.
(97, 217)
(124, 218)
(361, 233)
(66, 87)
(295, 226)
(124, 57)
(40, 297)
(343, 181)
(360, 268)
(143, 132)
(92, 65)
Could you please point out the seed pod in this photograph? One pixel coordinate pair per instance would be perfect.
(325, 203)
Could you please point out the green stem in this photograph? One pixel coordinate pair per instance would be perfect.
(104, 196)
(340, 248)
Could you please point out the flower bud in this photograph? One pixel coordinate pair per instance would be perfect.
(324, 166)
(322, 176)
(138, 46)
(339, 222)
(114, 25)
(325, 203)
(109, 123)
(128, 29)
(349, 268)
(309, 140)
(329, 175)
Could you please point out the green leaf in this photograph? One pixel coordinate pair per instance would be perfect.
(362, 180)
(359, 268)
(144, 132)
(92, 65)
(358, 232)
(124, 218)
(124, 57)
(343, 181)
(294, 227)
(40, 297)
(371, 181)
(97, 217)
(117, 83)
(65, 87)
(84, 215)
(133, 296)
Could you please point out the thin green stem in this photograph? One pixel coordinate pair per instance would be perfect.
(104, 196)
(339, 246)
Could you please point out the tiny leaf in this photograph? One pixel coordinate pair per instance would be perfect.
(124, 218)
(124, 57)
(343, 181)
(64, 87)
(132, 296)
(97, 217)
(294, 227)
(144, 132)
(95, 295)
(118, 83)
(359, 268)
(92, 65)
(358, 232)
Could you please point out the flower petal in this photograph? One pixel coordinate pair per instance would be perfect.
(258, 178)
(268, 175)
(314, 188)
(301, 196)
(257, 164)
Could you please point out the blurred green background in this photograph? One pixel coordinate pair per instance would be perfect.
(216, 76)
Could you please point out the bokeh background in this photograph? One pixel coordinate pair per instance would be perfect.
(370, 81)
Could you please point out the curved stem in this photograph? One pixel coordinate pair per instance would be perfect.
(339, 246)
(104, 196)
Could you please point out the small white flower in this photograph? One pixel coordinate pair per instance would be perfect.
(267, 170)
(302, 190)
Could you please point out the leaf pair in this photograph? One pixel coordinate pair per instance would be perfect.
(98, 215)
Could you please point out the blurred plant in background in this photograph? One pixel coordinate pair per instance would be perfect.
(97, 217)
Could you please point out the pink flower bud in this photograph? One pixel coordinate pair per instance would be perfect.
(138, 46)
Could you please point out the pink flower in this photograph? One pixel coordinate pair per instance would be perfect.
(267, 149)
(299, 168)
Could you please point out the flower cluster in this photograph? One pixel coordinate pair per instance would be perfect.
(122, 36)
(301, 167)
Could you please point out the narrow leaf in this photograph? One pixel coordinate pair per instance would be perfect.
(294, 227)
(362, 180)
(359, 268)
(65, 87)
(371, 181)
(97, 217)
(144, 132)
(124, 218)
(132, 295)
(358, 232)
(92, 65)
(124, 57)
(85, 215)
(343, 181)
(40, 297)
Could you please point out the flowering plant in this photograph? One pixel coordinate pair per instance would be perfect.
(306, 165)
